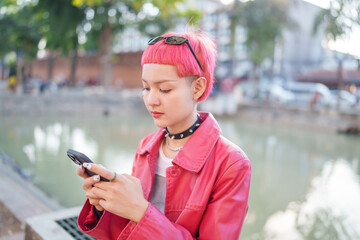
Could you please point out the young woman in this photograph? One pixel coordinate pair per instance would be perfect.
(188, 181)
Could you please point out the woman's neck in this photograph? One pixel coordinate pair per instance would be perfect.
(183, 125)
(173, 144)
(170, 144)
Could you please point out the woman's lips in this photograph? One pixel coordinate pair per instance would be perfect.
(156, 114)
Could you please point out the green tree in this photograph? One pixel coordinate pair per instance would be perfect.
(264, 21)
(19, 33)
(339, 20)
(60, 21)
(55, 21)
(107, 17)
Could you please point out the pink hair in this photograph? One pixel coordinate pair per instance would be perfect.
(181, 57)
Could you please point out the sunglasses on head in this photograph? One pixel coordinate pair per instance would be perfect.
(175, 40)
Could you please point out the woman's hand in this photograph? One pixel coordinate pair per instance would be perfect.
(122, 196)
(88, 185)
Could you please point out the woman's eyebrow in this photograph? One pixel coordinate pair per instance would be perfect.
(160, 81)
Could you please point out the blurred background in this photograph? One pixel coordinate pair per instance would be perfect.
(287, 92)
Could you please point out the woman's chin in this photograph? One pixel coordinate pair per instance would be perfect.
(159, 123)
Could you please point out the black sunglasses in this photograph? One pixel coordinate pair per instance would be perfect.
(175, 40)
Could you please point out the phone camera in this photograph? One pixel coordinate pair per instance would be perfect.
(74, 159)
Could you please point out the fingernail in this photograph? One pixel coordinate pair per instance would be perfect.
(96, 177)
(80, 166)
(87, 165)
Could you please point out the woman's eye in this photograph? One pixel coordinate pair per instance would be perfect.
(145, 89)
(165, 91)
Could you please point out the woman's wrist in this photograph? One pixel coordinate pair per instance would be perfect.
(141, 212)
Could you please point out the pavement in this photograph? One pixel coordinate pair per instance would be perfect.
(9, 224)
(19, 200)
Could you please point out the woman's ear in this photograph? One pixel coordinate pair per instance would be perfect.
(198, 86)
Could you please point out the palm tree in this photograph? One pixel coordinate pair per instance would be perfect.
(339, 19)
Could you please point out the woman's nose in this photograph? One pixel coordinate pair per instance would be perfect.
(153, 98)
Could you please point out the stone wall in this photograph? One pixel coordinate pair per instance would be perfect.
(126, 69)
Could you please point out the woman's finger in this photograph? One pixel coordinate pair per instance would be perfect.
(103, 203)
(97, 169)
(90, 181)
(89, 194)
(94, 201)
(100, 193)
(119, 180)
(81, 172)
(123, 197)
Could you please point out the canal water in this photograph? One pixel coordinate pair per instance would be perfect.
(305, 184)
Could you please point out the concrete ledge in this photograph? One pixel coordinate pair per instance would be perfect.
(9, 224)
(44, 227)
(17, 236)
(319, 119)
(30, 208)
(71, 102)
(22, 199)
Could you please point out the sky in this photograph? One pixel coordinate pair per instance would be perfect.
(320, 3)
(350, 45)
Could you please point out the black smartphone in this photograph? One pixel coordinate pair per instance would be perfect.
(80, 158)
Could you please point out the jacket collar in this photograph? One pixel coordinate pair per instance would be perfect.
(196, 150)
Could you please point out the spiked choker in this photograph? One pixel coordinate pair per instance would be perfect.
(185, 133)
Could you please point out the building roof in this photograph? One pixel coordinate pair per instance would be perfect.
(330, 77)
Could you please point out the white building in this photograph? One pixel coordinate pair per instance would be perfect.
(299, 50)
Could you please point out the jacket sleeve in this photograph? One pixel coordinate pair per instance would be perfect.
(103, 228)
(226, 211)
(223, 217)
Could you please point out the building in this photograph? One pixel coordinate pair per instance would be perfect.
(301, 50)
(298, 52)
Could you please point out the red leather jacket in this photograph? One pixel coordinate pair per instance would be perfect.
(207, 191)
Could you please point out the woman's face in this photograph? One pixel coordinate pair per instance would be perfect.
(168, 98)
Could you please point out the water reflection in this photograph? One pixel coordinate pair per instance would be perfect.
(48, 139)
(285, 161)
(43, 144)
(298, 190)
(82, 143)
(330, 211)
(29, 150)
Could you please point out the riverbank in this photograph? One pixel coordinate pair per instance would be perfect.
(318, 119)
(19, 200)
(96, 101)
(88, 101)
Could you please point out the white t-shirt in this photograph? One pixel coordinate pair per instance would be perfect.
(158, 193)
